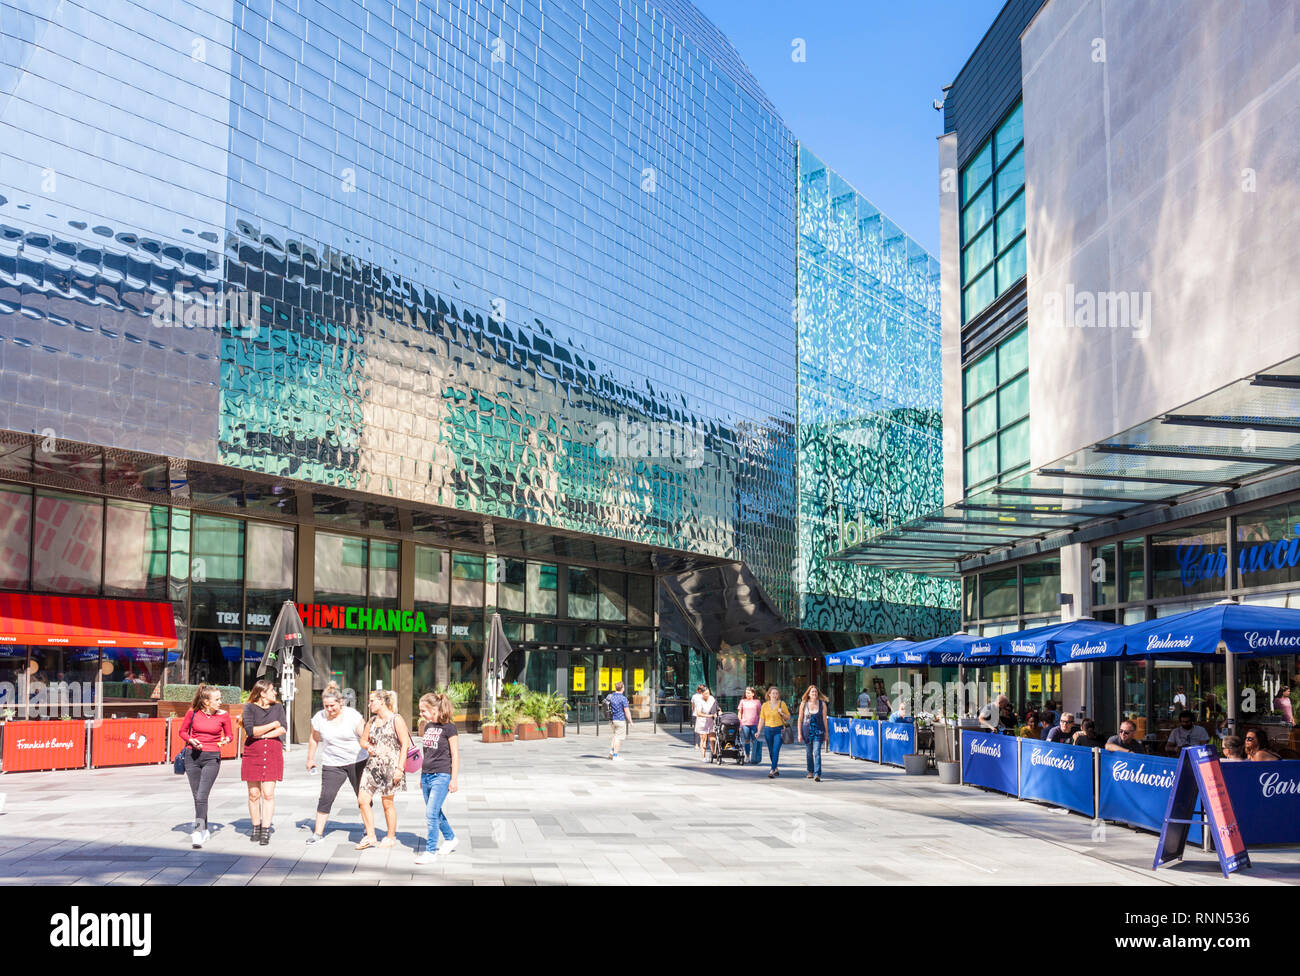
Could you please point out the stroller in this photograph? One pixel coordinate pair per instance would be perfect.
(726, 739)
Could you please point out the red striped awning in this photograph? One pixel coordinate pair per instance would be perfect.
(78, 621)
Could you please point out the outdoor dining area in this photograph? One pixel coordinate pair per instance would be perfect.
(1120, 776)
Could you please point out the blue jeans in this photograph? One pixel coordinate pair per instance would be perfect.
(435, 787)
(749, 742)
(813, 745)
(773, 737)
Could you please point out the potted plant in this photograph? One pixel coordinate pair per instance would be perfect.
(557, 710)
(466, 712)
(533, 713)
(500, 724)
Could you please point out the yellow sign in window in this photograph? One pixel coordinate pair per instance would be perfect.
(638, 680)
(615, 675)
(1056, 681)
(579, 679)
(604, 679)
(1035, 683)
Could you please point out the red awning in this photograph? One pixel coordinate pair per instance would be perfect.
(78, 621)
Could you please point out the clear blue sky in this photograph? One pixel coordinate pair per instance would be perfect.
(862, 99)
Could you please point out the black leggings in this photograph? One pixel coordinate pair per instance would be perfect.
(332, 779)
(202, 773)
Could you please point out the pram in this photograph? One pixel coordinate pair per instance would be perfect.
(726, 739)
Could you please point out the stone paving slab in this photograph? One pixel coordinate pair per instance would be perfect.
(558, 812)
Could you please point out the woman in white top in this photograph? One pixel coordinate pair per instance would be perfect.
(336, 730)
(706, 707)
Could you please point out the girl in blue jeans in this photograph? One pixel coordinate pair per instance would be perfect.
(772, 718)
(812, 729)
(440, 772)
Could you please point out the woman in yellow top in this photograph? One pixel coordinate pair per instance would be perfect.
(772, 718)
(1031, 729)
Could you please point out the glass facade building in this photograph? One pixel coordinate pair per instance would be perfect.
(456, 306)
(870, 408)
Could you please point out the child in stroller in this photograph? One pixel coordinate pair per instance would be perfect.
(726, 743)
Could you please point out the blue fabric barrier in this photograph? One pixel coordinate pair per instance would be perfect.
(865, 739)
(897, 739)
(1057, 773)
(1135, 788)
(1266, 799)
(840, 735)
(989, 760)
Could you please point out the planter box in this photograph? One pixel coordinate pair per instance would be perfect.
(467, 717)
(494, 733)
(529, 731)
(555, 729)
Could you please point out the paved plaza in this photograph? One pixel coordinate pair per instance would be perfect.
(558, 812)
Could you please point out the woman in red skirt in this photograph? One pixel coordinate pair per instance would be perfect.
(265, 725)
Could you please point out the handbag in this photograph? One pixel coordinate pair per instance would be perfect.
(787, 735)
(414, 758)
(178, 764)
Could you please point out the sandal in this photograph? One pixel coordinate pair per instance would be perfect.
(388, 842)
(366, 842)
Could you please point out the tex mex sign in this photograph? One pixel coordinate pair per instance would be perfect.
(364, 618)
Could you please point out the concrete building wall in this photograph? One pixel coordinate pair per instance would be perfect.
(1162, 147)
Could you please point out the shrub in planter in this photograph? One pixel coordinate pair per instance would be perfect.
(500, 725)
(557, 710)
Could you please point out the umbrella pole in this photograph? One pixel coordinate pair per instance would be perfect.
(1230, 669)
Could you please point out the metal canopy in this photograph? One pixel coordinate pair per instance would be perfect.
(1240, 432)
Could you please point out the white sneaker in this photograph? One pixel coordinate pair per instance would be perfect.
(616, 757)
(196, 839)
(447, 846)
(425, 857)
(207, 836)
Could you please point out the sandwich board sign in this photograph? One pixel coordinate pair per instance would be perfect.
(1198, 774)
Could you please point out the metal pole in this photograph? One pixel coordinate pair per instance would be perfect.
(1230, 683)
(1096, 783)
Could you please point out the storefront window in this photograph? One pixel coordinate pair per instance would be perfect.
(640, 600)
(67, 543)
(1267, 690)
(1268, 546)
(424, 673)
(62, 681)
(432, 576)
(216, 659)
(383, 575)
(1042, 582)
(341, 562)
(217, 573)
(998, 593)
(582, 593)
(543, 586)
(467, 574)
(1133, 693)
(1189, 561)
(15, 538)
(613, 595)
(465, 662)
(254, 648)
(1133, 571)
(970, 590)
(269, 573)
(512, 585)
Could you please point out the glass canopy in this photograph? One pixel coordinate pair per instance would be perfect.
(1241, 432)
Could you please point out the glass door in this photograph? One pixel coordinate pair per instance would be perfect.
(583, 682)
(381, 671)
(640, 683)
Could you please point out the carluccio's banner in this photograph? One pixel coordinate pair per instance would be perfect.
(383, 621)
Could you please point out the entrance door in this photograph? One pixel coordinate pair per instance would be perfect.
(356, 668)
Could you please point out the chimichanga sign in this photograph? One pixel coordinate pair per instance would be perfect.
(365, 618)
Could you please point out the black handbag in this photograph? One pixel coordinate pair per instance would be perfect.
(178, 764)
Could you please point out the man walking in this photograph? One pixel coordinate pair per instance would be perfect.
(620, 718)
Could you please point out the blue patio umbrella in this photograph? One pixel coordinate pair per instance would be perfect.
(1052, 643)
(860, 657)
(879, 655)
(943, 651)
(1243, 629)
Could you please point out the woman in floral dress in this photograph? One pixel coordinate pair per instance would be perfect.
(387, 739)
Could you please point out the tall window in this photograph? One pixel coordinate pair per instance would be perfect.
(996, 416)
(993, 217)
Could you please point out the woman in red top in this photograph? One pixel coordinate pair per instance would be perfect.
(205, 729)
